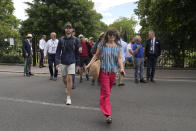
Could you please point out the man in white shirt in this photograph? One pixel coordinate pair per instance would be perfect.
(129, 56)
(42, 44)
(50, 48)
(124, 51)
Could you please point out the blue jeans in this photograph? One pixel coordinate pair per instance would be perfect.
(139, 68)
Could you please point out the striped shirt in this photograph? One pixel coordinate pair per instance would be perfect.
(109, 58)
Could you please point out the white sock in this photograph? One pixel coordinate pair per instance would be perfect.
(68, 97)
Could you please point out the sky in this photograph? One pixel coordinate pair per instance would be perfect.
(110, 9)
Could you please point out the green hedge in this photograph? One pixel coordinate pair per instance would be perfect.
(11, 59)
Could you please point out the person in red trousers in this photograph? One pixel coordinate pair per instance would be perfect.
(109, 53)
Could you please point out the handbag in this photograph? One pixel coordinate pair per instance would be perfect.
(95, 69)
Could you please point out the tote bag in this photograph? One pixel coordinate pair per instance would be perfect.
(95, 69)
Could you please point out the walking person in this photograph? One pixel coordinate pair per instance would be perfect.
(50, 48)
(137, 52)
(67, 51)
(27, 54)
(42, 44)
(84, 56)
(124, 51)
(152, 52)
(110, 55)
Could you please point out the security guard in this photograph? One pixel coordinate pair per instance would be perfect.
(50, 48)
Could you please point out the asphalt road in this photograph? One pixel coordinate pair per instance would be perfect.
(37, 104)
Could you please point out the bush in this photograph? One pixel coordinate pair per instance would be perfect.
(11, 59)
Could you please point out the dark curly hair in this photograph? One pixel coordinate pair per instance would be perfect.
(112, 31)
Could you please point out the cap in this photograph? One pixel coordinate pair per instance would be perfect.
(68, 25)
(101, 34)
(80, 35)
(29, 36)
(90, 38)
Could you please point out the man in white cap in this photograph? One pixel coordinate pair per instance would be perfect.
(27, 54)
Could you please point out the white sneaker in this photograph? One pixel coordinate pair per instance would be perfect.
(68, 101)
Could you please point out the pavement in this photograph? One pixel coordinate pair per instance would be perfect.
(38, 104)
(160, 74)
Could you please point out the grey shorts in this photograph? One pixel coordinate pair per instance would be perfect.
(68, 69)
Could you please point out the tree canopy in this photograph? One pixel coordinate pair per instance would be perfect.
(174, 22)
(46, 16)
(8, 24)
(126, 26)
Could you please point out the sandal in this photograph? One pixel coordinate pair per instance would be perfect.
(109, 119)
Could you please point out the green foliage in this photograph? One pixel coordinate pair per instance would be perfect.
(46, 16)
(127, 25)
(8, 25)
(174, 23)
(11, 59)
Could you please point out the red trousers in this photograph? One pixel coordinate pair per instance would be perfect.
(106, 81)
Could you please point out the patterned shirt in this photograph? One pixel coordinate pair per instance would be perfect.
(109, 58)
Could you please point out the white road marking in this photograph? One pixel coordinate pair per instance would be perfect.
(48, 104)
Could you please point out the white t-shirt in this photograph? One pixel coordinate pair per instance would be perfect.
(129, 46)
(51, 46)
(123, 49)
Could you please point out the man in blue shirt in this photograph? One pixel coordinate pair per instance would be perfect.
(137, 52)
(68, 51)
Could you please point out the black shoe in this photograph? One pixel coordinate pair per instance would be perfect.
(93, 82)
(43, 66)
(152, 80)
(136, 81)
(80, 79)
(28, 75)
(142, 81)
(40, 66)
(73, 87)
(31, 74)
(121, 84)
(87, 78)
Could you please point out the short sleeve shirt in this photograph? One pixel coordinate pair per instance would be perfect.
(140, 52)
(109, 58)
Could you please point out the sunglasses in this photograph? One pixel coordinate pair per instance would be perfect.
(111, 34)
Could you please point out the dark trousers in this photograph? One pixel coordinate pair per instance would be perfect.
(41, 58)
(51, 61)
(73, 80)
(27, 65)
(151, 65)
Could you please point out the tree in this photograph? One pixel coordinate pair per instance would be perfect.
(173, 21)
(46, 16)
(127, 25)
(8, 25)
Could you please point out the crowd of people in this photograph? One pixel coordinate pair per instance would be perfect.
(78, 54)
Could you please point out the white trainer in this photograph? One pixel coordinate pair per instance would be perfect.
(68, 101)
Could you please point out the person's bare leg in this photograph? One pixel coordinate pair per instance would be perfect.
(69, 84)
(65, 80)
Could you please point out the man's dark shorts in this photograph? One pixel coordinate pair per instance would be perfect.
(84, 60)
